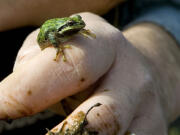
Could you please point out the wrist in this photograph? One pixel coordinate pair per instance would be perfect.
(162, 51)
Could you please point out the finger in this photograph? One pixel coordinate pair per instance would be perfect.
(39, 82)
(112, 117)
(104, 119)
(30, 47)
(67, 105)
(119, 93)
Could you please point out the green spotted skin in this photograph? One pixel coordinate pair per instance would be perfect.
(77, 126)
(58, 30)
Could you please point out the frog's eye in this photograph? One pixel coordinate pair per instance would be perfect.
(76, 17)
(70, 23)
(79, 17)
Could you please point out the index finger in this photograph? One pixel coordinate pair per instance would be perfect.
(39, 82)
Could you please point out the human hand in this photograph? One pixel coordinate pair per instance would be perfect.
(127, 91)
(79, 77)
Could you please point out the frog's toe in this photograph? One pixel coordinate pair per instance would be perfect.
(67, 46)
(64, 58)
(58, 52)
(56, 58)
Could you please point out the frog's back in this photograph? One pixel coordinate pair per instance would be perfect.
(50, 25)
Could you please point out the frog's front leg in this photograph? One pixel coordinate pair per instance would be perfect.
(87, 33)
(55, 41)
(60, 51)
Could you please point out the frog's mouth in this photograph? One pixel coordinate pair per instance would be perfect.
(70, 31)
(71, 28)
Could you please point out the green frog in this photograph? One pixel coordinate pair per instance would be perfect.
(78, 127)
(56, 31)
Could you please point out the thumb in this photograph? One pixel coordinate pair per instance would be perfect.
(93, 116)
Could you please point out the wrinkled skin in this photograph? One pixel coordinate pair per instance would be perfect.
(135, 90)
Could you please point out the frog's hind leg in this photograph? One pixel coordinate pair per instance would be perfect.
(87, 33)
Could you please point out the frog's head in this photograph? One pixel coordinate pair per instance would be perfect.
(72, 25)
(59, 29)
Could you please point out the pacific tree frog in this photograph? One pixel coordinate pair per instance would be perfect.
(56, 31)
(78, 127)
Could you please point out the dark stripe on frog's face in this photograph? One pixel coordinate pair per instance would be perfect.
(72, 26)
(68, 30)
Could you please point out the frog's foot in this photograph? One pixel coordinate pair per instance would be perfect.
(64, 47)
(85, 122)
(60, 50)
(87, 33)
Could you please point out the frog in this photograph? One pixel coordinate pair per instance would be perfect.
(56, 31)
(78, 127)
